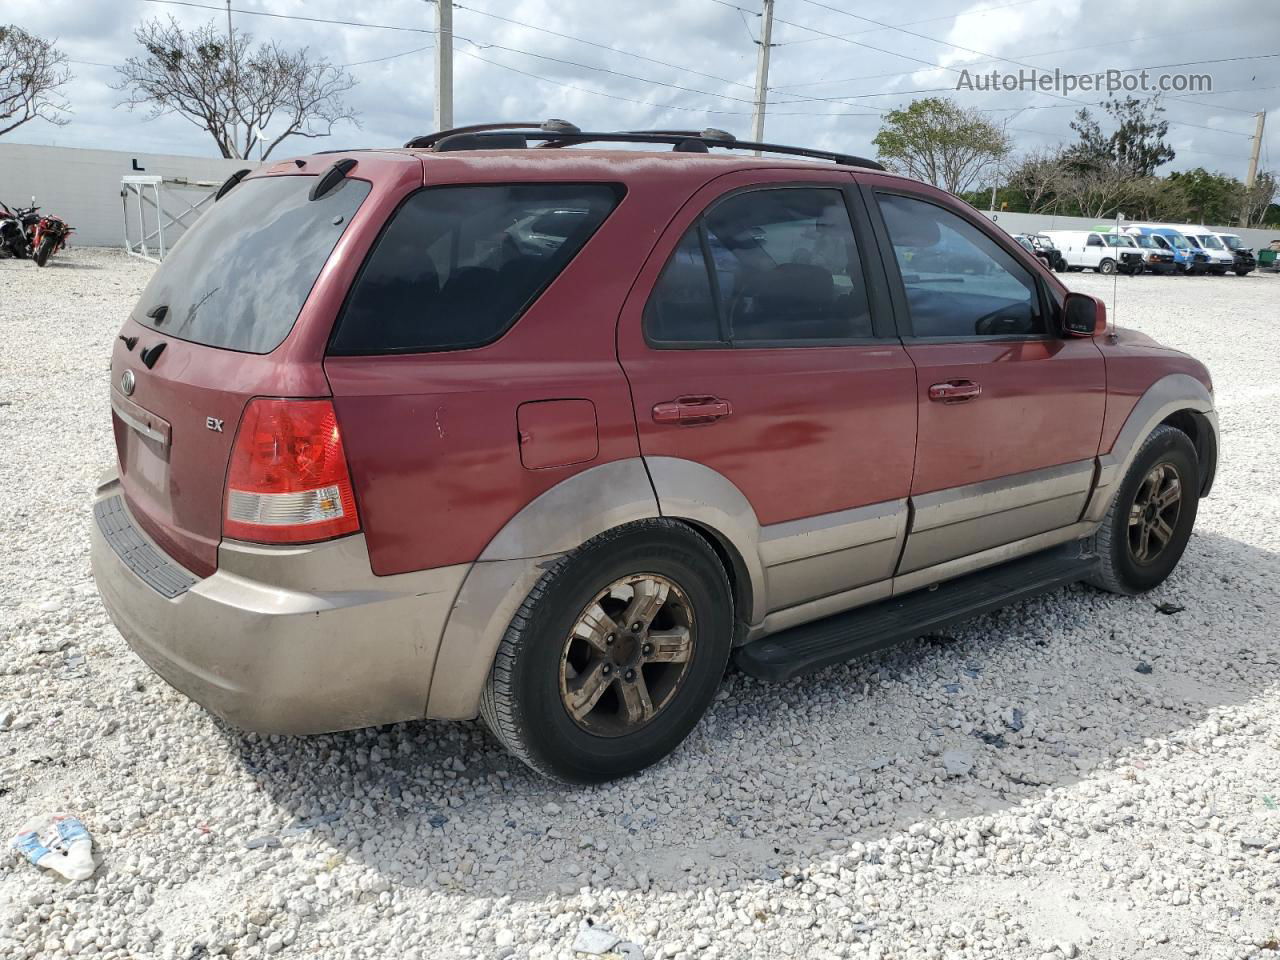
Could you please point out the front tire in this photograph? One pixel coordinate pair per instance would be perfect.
(614, 655)
(46, 250)
(1149, 523)
(1107, 266)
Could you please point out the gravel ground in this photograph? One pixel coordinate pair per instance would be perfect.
(1016, 789)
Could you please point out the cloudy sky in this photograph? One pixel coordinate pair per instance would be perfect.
(627, 64)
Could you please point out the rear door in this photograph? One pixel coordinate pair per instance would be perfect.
(211, 330)
(759, 346)
(1010, 413)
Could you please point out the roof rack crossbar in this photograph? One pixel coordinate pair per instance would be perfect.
(548, 126)
(712, 139)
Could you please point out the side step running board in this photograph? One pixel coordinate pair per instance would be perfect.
(844, 636)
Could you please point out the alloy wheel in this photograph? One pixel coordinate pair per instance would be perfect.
(627, 654)
(1154, 514)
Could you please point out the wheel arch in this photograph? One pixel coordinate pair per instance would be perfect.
(563, 518)
(1178, 399)
(1204, 436)
(735, 569)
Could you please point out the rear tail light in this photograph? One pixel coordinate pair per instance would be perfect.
(288, 480)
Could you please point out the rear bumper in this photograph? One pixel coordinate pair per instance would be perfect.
(290, 640)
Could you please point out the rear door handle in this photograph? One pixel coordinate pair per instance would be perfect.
(954, 391)
(691, 410)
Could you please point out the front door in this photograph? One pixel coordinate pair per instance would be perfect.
(769, 386)
(1010, 411)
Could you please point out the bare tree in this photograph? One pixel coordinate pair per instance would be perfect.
(231, 89)
(1258, 198)
(1038, 177)
(32, 73)
(933, 139)
(1101, 191)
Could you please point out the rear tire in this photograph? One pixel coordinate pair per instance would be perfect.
(1141, 541)
(536, 699)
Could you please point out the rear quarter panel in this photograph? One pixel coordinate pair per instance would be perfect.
(432, 438)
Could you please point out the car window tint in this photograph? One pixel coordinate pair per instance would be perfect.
(681, 308)
(787, 267)
(456, 266)
(239, 277)
(959, 282)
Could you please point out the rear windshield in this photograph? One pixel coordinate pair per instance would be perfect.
(238, 278)
(456, 266)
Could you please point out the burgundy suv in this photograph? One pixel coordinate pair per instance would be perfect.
(500, 425)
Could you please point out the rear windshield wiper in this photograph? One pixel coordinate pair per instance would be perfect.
(158, 313)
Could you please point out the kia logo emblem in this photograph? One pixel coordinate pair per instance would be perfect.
(127, 382)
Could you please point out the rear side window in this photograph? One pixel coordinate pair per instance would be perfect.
(456, 266)
(239, 277)
(784, 270)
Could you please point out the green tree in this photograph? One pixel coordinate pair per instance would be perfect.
(1135, 148)
(1210, 197)
(935, 140)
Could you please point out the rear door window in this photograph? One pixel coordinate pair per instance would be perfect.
(786, 272)
(456, 266)
(239, 277)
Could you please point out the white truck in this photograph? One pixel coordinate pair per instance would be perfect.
(1097, 250)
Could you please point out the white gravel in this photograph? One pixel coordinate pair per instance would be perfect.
(1019, 791)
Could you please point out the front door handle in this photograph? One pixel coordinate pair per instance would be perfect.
(954, 391)
(691, 410)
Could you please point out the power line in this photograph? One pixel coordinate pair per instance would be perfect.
(1021, 63)
(868, 46)
(292, 16)
(601, 46)
(480, 44)
(1043, 53)
(647, 103)
(394, 56)
(912, 23)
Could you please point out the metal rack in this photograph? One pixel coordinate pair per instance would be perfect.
(171, 209)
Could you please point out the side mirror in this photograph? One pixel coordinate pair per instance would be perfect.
(1083, 315)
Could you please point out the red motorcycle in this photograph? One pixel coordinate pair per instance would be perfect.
(47, 236)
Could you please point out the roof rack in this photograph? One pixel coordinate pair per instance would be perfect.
(554, 134)
(543, 126)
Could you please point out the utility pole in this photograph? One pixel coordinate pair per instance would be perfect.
(235, 78)
(1253, 164)
(444, 64)
(762, 71)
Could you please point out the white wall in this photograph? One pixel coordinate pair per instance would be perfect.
(1039, 222)
(83, 186)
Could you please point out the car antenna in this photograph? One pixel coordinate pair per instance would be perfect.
(1115, 284)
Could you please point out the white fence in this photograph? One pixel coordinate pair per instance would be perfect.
(84, 186)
